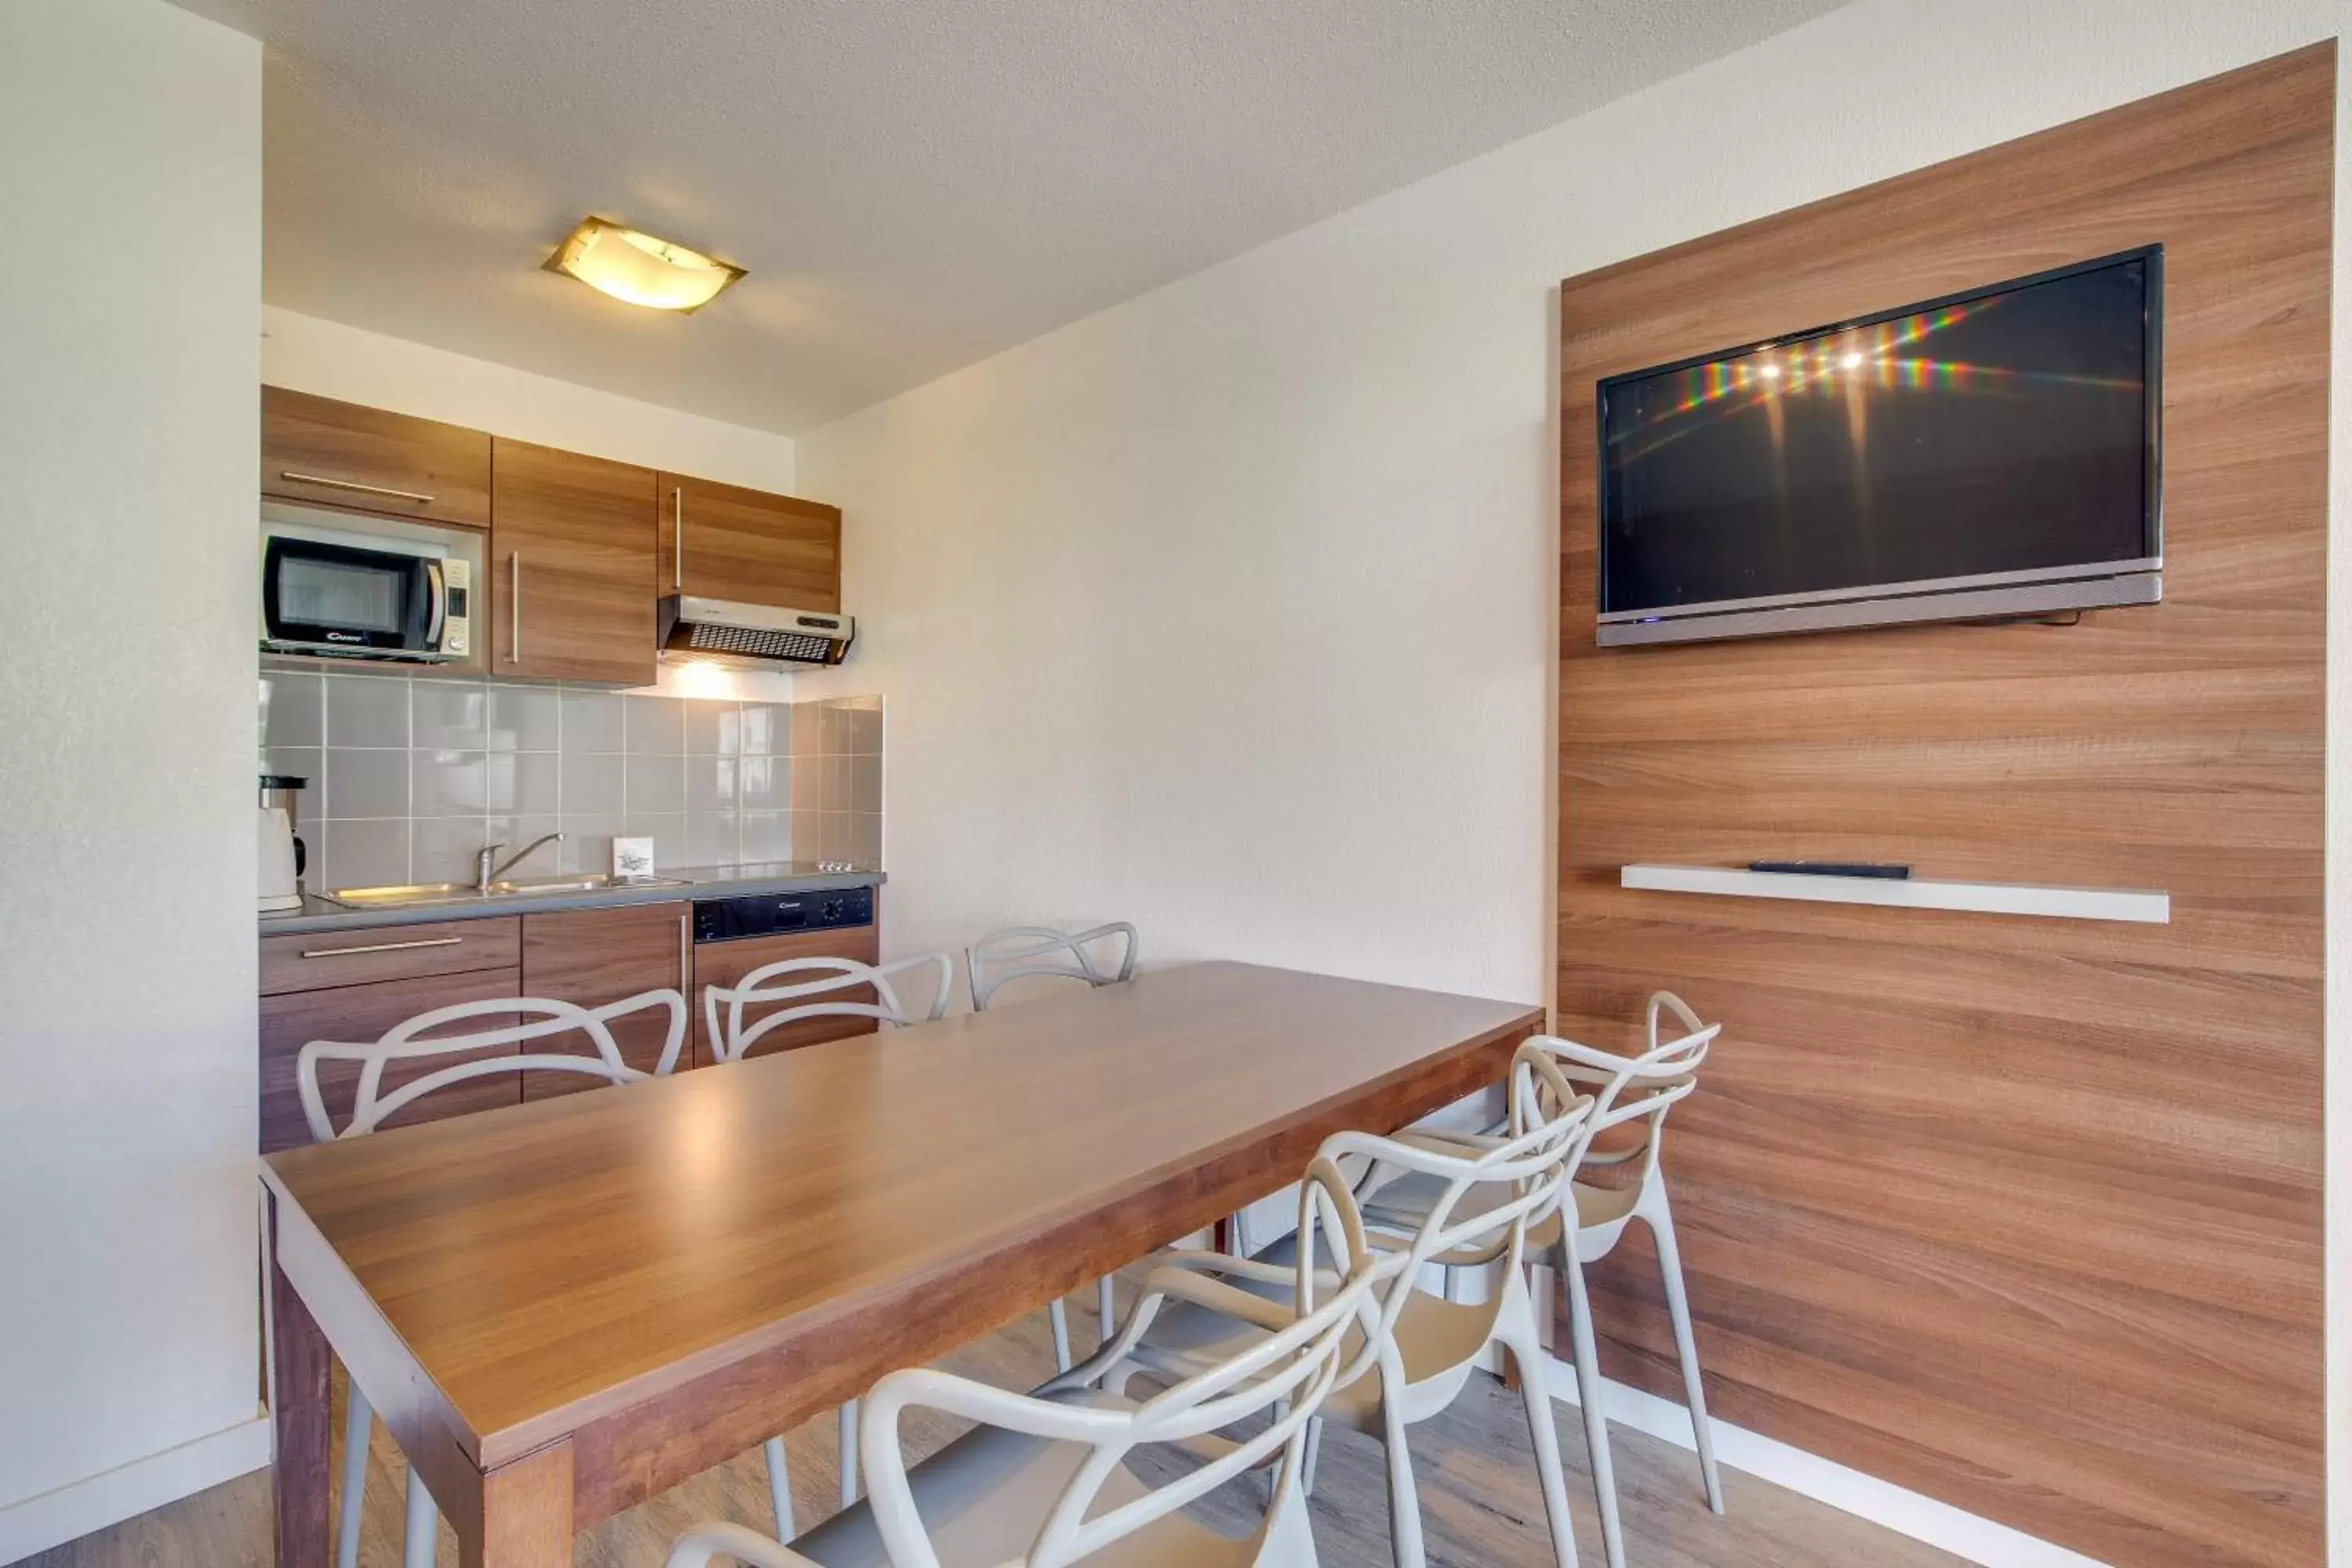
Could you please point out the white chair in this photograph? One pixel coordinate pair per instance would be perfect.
(801, 989)
(1630, 1091)
(1019, 1489)
(1428, 1346)
(540, 1018)
(810, 988)
(1019, 952)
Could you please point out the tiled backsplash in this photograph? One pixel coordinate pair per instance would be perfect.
(410, 777)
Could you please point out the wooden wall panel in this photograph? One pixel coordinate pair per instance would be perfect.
(2025, 1214)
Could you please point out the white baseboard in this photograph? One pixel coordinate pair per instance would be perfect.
(70, 1511)
(1906, 1512)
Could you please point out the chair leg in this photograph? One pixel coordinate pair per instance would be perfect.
(1404, 1502)
(1106, 1310)
(359, 1421)
(1588, 1394)
(779, 1488)
(420, 1541)
(1060, 1319)
(1526, 1354)
(1670, 1268)
(1314, 1454)
(845, 1430)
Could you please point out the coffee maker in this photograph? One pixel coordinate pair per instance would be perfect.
(283, 856)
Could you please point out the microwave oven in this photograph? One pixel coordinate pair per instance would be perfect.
(345, 587)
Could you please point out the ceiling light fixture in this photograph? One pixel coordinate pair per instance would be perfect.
(639, 269)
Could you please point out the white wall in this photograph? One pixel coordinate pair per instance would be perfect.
(332, 360)
(1229, 610)
(130, 175)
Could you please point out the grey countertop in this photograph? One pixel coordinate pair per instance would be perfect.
(318, 914)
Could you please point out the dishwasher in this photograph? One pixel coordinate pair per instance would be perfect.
(733, 936)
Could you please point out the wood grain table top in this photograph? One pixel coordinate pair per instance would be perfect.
(554, 1264)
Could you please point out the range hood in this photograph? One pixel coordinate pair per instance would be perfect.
(752, 636)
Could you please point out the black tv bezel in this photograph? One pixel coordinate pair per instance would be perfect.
(2152, 445)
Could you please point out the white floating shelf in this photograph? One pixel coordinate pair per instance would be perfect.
(1977, 897)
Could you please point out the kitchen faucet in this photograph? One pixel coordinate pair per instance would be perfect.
(485, 873)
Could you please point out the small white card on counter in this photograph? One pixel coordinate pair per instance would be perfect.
(632, 857)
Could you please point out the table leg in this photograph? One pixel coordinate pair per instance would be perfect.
(527, 1512)
(301, 1411)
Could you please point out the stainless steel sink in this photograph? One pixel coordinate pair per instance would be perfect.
(584, 882)
(405, 894)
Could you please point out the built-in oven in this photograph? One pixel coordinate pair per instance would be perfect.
(363, 587)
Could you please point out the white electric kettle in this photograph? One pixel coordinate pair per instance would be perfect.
(280, 866)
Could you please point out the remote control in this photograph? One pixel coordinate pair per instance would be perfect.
(1831, 869)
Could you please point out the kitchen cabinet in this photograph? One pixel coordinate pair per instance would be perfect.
(321, 452)
(723, 542)
(571, 566)
(595, 956)
(727, 963)
(291, 1019)
(355, 985)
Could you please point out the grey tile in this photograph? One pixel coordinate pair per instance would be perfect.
(590, 781)
(443, 849)
(364, 854)
(294, 709)
(865, 730)
(762, 783)
(591, 721)
(767, 728)
(526, 784)
(835, 791)
(654, 726)
(803, 834)
(767, 836)
(525, 719)
(666, 830)
(366, 710)
(588, 842)
(710, 783)
(865, 783)
(654, 783)
(713, 838)
(808, 728)
(713, 728)
(832, 730)
(866, 837)
(807, 782)
(833, 835)
(448, 716)
(448, 783)
(366, 784)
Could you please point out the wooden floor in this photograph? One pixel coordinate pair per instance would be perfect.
(1479, 1503)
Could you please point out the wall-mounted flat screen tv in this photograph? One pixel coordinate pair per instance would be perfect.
(1987, 455)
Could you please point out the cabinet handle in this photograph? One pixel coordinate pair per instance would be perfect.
(383, 947)
(685, 953)
(514, 606)
(677, 546)
(354, 485)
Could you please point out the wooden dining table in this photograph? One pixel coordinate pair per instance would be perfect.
(563, 1308)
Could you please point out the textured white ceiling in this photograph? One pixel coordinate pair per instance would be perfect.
(914, 185)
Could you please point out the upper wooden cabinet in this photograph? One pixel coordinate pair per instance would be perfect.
(325, 453)
(572, 567)
(721, 541)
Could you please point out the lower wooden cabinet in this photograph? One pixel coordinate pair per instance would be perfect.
(595, 956)
(361, 1013)
(727, 963)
